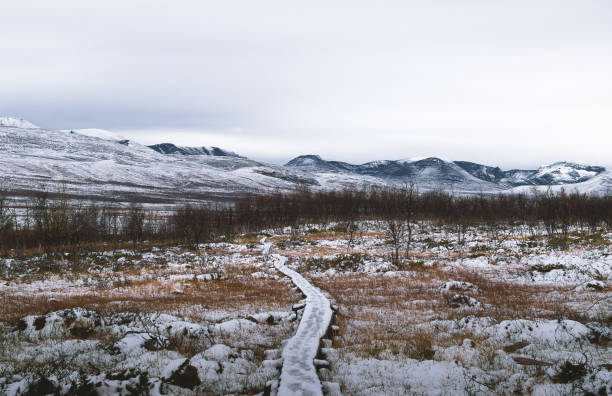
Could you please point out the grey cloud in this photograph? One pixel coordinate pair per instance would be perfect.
(510, 83)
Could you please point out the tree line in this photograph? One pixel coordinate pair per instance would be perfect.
(59, 225)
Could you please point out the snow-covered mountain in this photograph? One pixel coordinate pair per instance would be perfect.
(99, 133)
(553, 174)
(88, 166)
(169, 148)
(431, 172)
(99, 164)
(16, 122)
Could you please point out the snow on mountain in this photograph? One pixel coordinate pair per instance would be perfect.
(99, 164)
(566, 172)
(460, 176)
(98, 133)
(169, 148)
(16, 123)
(599, 184)
(557, 173)
(85, 166)
(427, 173)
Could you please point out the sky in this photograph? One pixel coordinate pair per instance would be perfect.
(516, 84)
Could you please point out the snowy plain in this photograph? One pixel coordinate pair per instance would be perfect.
(485, 316)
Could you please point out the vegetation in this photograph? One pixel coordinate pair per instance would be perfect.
(59, 225)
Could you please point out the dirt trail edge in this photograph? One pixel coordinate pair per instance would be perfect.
(298, 373)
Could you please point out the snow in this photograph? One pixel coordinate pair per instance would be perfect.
(98, 133)
(564, 172)
(235, 325)
(298, 375)
(470, 346)
(16, 123)
(458, 285)
(93, 162)
(368, 376)
(219, 353)
(546, 332)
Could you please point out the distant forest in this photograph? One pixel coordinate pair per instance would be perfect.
(59, 225)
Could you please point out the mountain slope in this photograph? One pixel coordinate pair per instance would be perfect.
(169, 148)
(16, 123)
(462, 176)
(600, 184)
(99, 133)
(85, 166)
(99, 164)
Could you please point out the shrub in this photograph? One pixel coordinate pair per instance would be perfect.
(569, 373)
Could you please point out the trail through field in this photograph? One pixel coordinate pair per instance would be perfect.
(298, 374)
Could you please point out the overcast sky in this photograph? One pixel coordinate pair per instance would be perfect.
(509, 83)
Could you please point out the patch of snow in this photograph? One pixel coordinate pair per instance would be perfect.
(219, 353)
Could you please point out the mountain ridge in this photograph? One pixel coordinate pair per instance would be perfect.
(561, 172)
(94, 164)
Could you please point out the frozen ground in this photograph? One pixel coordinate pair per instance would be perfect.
(166, 321)
(506, 310)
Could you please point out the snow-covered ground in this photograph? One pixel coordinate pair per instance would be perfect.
(505, 311)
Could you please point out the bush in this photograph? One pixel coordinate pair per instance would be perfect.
(569, 373)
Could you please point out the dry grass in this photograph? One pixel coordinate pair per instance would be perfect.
(152, 295)
(383, 314)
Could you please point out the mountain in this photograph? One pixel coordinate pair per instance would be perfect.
(565, 172)
(169, 148)
(16, 122)
(314, 163)
(99, 133)
(600, 184)
(35, 160)
(427, 173)
(464, 175)
(483, 172)
(553, 174)
(101, 165)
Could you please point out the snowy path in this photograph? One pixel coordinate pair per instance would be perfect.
(298, 374)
